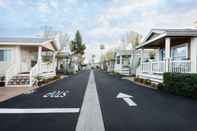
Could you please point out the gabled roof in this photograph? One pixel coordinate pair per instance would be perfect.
(23, 40)
(161, 33)
(152, 32)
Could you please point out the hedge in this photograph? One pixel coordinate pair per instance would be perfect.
(184, 84)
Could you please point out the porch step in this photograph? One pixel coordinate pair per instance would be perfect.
(154, 77)
(19, 80)
(125, 71)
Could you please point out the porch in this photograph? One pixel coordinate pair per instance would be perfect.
(173, 54)
(122, 62)
(155, 70)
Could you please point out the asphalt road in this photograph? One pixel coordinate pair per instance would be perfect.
(155, 111)
(73, 86)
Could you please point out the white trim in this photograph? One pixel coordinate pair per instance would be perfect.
(16, 43)
(152, 40)
(156, 31)
(38, 110)
(29, 44)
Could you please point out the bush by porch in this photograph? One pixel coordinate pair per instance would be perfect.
(184, 84)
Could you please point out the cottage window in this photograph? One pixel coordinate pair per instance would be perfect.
(5, 55)
(180, 52)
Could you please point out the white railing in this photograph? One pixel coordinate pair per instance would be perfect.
(41, 69)
(158, 67)
(182, 66)
(146, 67)
(47, 67)
(33, 73)
(12, 71)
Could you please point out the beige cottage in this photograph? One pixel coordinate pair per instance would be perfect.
(21, 60)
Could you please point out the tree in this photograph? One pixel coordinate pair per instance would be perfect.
(134, 38)
(78, 48)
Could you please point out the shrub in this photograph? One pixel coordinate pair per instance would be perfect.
(115, 73)
(68, 72)
(160, 86)
(141, 80)
(154, 85)
(42, 80)
(184, 84)
(136, 79)
(147, 82)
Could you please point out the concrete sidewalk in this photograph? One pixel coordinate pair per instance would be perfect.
(9, 92)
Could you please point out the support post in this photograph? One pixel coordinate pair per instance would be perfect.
(142, 59)
(167, 54)
(193, 57)
(39, 54)
(54, 61)
(39, 61)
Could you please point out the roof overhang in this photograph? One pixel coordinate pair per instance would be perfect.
(48, 44)
(156, 41)
(152, 41)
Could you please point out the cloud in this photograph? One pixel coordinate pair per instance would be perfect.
(54, 4)
(121, 9)
(3, 3)
(101, 21)
(43, 8)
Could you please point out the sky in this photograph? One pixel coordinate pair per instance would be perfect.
(99, 21)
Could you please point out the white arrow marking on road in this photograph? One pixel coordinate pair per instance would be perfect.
(126, 98)
(38, 110)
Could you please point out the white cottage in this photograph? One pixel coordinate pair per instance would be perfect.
(176, 51)
(122, 62)
(22, 60)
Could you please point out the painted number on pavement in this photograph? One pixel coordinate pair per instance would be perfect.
(56, 94)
